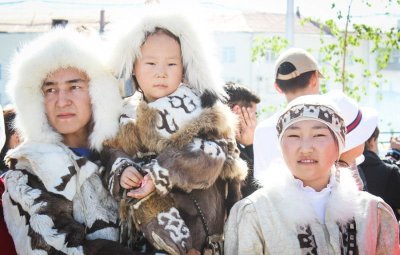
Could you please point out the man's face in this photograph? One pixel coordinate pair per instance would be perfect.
(67, 103)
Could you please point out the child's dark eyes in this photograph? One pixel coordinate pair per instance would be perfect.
(172, 64)
(150, 63)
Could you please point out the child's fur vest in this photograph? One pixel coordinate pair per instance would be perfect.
(192, 137)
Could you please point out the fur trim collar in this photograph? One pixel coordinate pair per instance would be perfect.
(284, 190)
(201, 69)
(62, 48)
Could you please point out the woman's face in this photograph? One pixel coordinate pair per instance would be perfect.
(67, 105)
(310, 150)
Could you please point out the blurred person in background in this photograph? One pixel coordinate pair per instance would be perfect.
(6, 241)
(393, 154)
(383, 179)
(243, 103)
(12, 136)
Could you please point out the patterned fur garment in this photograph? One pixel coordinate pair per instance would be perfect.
(193, 138)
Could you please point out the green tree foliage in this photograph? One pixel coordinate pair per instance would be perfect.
(336, 54)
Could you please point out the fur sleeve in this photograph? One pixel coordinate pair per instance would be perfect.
(127, 139)
(196, 166)
(115, 162)
(38, 219)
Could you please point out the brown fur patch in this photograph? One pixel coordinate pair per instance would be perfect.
(148, 209)
(127, 139)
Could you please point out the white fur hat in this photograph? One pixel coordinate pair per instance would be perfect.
(314, 107)
(62, 48)
(360, 122)
(201, 69)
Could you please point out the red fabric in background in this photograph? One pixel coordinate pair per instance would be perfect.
(6, 243)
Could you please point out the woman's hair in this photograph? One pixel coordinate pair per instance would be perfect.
(373, 137)
(9, 116)
(297, 83)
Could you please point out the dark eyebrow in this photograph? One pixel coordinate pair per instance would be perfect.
(50, 83)
(322, 126)
(75, 80)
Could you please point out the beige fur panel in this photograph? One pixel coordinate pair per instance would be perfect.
(145, 209)
(215, 123)
(127, 139)
(234, 169)
(146, 123)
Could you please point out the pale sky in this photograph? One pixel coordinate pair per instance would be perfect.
(377, 15)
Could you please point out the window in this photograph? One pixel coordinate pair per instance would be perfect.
(270, 56)
(228, 55)
(394, 61)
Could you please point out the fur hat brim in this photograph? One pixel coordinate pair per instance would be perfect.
(62, 48)
(201, 68)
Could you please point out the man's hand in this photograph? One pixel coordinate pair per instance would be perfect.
(130, 178)
(247, 122)
(395, 142)
(146, 187)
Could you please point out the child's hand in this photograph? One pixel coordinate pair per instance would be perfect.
(130, 178)
(146, 187)
(193, 252)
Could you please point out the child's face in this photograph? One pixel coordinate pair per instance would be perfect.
(310, 150)
(159, 71)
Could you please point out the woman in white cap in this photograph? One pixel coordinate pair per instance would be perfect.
(311, 206)
(360, 124)
(67, 103)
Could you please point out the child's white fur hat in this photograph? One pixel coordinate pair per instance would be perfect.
(201, 69)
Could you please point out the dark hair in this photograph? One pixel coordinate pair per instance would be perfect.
(157, 30)
(374, 136)
(292, 85)
(239, 95)
(9, 117)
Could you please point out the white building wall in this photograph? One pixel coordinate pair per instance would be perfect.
(9, 44)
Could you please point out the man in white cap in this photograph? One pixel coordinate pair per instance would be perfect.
(296, 74)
